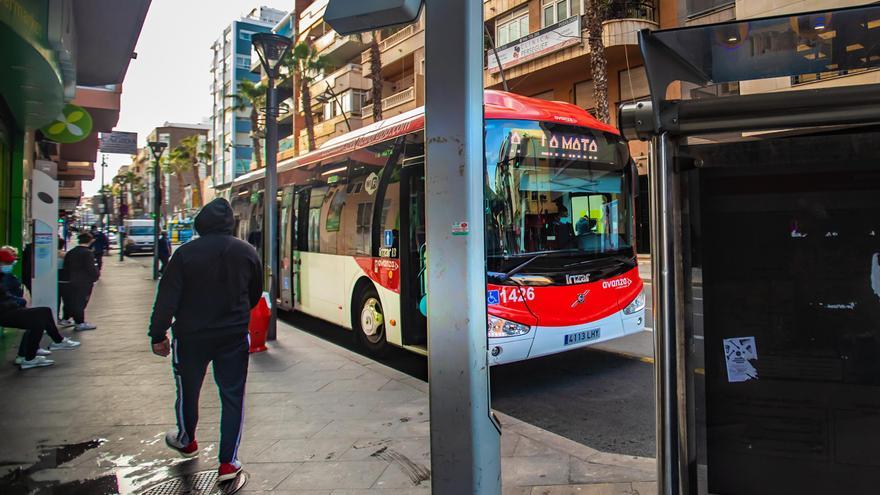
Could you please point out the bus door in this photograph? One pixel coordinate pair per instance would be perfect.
(287, 225)
(412, 251)
(299, 240)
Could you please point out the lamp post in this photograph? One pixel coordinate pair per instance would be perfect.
(157, 148)
(103, 194)
(271, 48)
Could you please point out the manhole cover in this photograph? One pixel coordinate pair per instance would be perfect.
(201, 483)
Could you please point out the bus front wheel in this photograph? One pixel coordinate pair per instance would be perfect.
(370, 323)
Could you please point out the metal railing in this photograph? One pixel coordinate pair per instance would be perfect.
(286, 143)
(405, 96)
(631, 9)
(400, 36)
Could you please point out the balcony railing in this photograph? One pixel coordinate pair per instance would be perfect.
(396, 38)
(631, 9)
(286, 143)
(405, 96)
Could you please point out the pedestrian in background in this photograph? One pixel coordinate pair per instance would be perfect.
(81, 274)
(164, 251)
(34, 321)
(208, 290)
(100, 245)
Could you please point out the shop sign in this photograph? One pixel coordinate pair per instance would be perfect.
(124, 143)
(72, 125)
(548, 40)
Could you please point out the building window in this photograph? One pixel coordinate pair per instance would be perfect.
(512, 28)
(546, 95)
(583, 96)
(245, 35)
(697, 7)
(243, 61)
(553, 11)
(633, 84)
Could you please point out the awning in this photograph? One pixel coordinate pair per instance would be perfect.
(107, 32)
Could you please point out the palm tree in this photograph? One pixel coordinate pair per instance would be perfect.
(596, 11)
(305, 62)
(376, 76)
(252, 96)
(187, 157)
(128, 182)
(174, 164)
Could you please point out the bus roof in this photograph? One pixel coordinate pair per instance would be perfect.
(497, 104)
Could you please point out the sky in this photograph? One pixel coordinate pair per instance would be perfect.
(170, 79)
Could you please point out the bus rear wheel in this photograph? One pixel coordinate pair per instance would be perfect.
(369, 323)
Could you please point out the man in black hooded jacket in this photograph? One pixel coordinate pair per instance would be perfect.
(208, 288)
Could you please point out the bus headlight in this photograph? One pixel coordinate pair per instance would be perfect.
(499, 327)
(636, 305)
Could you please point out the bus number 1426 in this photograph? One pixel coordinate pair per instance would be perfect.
(517, 294)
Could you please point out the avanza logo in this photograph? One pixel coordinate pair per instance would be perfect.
(619, 283)
(577, 279)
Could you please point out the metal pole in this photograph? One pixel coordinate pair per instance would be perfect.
(119, 227)
(465, 438)
(103, 194)
(665, 350)
(157, 205)
(270, 206)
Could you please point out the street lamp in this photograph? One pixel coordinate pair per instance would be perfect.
(271, 48)
(157, 148)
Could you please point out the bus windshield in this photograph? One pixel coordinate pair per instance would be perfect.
(557, 191)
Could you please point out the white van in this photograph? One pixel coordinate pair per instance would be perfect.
(138, 236)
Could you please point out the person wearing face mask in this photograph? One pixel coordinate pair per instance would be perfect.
(14, 313)
(81, 274)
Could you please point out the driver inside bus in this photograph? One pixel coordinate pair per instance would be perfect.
(562, 229)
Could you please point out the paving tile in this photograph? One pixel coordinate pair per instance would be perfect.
(306, 450)
(527, 447)
(533, 471)
(334, 475)
(587, 472)
(645, 488)
(266, 476)
(593, 489)
(357, 428)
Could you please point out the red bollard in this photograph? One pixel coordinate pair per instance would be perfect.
(259, 324)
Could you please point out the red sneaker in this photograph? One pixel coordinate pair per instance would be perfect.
(189, 450)
(228, 471)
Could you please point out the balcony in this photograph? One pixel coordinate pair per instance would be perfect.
(403, 42)
(395, 100)
(328, 129)
(349, 76)
(340, 49)
(567, 40)
(625, 20)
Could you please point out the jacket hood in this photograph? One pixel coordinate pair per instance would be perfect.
(215, 218)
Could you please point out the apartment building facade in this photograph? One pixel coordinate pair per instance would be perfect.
(232, 150)
(180, 192)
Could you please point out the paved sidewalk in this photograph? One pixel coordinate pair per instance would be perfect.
(320, 419)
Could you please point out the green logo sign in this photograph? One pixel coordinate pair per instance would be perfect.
(73, 125)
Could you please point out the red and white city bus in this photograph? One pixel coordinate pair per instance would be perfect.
(560, 255)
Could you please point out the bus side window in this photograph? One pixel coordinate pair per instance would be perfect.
(301, 219)
(316, 200)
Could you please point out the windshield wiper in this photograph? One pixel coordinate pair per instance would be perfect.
(518, 268)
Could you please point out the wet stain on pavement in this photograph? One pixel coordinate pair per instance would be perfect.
(20, 481)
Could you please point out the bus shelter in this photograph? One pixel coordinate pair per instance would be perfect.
(765, 196)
